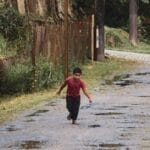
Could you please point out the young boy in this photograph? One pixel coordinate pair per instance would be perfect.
(74, 84)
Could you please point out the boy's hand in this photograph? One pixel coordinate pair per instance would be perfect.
(90, 101)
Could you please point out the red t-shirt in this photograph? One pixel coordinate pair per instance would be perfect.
(74, 86)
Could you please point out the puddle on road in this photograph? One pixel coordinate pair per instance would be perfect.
(110, 109)
(37, 113)
(117, 78)
(144, 96)
(108, 113)
(128, 79)
(121, 106)
(94, 126)
(136, 104)
(51, 104)
(11, 128)
(111, 145)
(85, 107)
(142, 73)
(30, 120)
(146, 139)
(31, 144)
(125, 82)
(106, 146)
(120, 77)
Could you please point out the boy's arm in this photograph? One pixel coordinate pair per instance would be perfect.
(87, 94)
(61, 88)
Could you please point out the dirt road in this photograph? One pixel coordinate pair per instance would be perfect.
(118, 119)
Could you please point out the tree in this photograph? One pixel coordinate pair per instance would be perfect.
(99, 30)
(133, 22)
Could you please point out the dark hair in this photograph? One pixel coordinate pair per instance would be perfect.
(77, 70)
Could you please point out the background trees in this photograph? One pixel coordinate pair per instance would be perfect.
(131, 16)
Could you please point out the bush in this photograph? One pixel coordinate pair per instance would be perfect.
(7, 48)
(116, 37)
(11, 23)
(3, 44)
(143, 29)
(12, 29)
(16, 79)
(47, 75)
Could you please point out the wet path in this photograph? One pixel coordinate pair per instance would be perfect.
(119, 119)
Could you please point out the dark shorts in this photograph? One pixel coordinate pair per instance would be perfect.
(73, 104)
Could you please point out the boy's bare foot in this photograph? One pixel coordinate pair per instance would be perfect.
(74, 122)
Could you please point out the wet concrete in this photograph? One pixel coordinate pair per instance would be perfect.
(118, 119)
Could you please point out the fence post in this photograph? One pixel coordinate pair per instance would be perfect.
(92, 38)
(66, 38)
(33, 57)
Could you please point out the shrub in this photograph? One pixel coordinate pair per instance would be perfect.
(115, 37)
(11, 23)
(3, 44)
(16, 79)
(47, 75)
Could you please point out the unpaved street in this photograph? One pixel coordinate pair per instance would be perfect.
(118, 119)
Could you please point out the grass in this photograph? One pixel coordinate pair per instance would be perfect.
(93, 74)
(142, 47)
(10, 106)
(118, 39)
(98, 72)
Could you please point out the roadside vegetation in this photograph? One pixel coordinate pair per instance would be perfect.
(118, 39)
(94, 74)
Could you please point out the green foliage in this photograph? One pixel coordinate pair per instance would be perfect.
(82, 7)
(47, 75)
(19, 78)
(116, 37)
(16, 78)
(116, 13)
(143, 30)
(2, 3)
(3, 44)
(12, 32)
(72, 64)
(145, 1)
(11, 23)
(9, 48)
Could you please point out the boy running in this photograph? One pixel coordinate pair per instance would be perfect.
(74, 84)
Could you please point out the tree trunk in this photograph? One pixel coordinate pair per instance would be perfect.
(21, 6)
(46, 8)
(133, 22)
(99, 30)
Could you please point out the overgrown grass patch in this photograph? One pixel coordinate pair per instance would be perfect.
(118, 39)
(98, 72)
(10, 106)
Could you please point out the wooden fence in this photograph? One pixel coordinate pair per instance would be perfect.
(48, 40)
